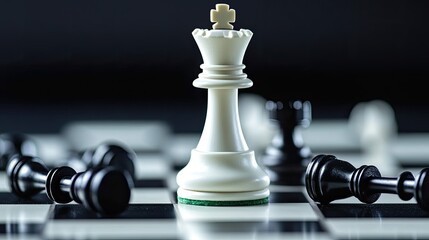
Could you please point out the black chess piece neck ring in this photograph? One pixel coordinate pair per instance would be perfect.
(328, 178)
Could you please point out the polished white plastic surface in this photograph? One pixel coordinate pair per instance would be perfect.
(222, 167)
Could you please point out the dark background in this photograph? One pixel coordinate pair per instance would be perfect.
(66, 60)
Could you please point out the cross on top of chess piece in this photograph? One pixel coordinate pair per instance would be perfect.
(222, 16)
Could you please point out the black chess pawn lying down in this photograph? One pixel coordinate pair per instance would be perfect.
(15, 143)
(287, 156)
(105, 191)
(328, 178)
(108, 153)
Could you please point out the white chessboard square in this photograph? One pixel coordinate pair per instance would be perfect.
(138, 135)
(259, 236)
(152, 166)
(26, 237)
(150, 195)
(112, 229)
(4, 182)
(391, 228)
(21, 213)
(384, 198)
(271, 212)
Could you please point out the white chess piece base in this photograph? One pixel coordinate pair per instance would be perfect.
(223, 176)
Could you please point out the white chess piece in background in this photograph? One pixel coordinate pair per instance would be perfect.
(258, 129)
(374, 124)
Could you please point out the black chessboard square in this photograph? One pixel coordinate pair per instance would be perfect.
(150, 183)
(406, 210)
(10, 198)
(134, 211)
(287, 197)
(257, 226)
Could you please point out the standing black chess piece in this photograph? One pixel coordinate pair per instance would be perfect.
(103, 190)
(15, 143)
(108, 153)
(328, 178)
(286, 158)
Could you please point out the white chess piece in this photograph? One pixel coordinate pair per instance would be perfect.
(258, 127)
(374, 124)
(222, 168)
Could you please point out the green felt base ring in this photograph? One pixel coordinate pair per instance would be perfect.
(223, 203)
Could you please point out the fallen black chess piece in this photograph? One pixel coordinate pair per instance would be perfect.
(328, 178)
(105, 190)
(108, 153)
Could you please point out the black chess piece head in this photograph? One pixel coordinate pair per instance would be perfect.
(328, 178)
(111, 153)
(104, 190)
(290, 113)
(421, 193)
(287, 156)
(26, 175)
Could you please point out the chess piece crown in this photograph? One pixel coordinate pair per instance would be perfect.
(222, 51)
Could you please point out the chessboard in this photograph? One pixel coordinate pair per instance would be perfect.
(154, 213)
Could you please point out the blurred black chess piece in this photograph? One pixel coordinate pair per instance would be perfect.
(15, 143)
(104, 190)
(286, 158)
(328, 178)
(108, 153)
